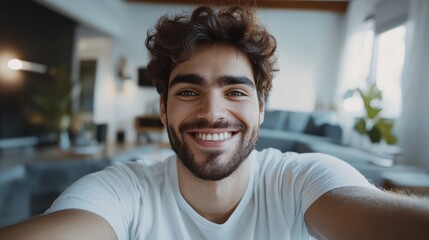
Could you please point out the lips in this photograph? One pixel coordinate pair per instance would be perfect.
(213, 136)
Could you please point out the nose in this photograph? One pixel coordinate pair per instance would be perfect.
(212, 107)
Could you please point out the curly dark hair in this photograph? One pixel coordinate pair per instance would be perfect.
(175, 39)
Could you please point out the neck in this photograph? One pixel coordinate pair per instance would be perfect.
(214, 200)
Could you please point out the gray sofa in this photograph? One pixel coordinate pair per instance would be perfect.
(318, 132)
(36, 185)
(292, 131)
(28, 188)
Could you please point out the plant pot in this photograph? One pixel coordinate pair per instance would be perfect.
(64, 140)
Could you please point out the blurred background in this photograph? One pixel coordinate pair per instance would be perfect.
(353, 83)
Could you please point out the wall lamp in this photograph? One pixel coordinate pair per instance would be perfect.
(20, 65)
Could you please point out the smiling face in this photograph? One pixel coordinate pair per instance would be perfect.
(212, 112)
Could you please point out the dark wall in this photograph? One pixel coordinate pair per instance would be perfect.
(33, 33)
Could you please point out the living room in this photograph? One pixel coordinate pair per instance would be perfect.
(326, 50)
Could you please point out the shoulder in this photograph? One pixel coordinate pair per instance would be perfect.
(139, 172)
(118, 193)
(141, 168)
(312, 170)
(126, 181)
(300, 179)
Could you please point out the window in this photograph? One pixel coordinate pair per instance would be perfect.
(360, 65)
(389, 61)
(378, 59)
(366, 44)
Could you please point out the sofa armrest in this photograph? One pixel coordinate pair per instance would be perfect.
(286, 140)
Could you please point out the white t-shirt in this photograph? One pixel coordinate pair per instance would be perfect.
(141, 199)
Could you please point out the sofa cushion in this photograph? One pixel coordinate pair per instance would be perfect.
(274, 119)
(297, 121)
(312, 128)
(284, 145)
(333, 132)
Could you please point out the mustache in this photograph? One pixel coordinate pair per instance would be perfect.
(204, 123)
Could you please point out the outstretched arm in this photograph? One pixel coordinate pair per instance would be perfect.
(65, 224)
(363, 213)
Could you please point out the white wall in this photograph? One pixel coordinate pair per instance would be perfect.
(309, 45)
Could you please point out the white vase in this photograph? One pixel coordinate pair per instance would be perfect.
(64, 140)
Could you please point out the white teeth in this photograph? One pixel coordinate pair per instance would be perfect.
(214, 136)
(221, 137)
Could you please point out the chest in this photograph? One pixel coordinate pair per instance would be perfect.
(167, 218)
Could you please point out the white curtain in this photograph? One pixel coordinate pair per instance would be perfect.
(349, 76)
(414, 122)
(351, 62)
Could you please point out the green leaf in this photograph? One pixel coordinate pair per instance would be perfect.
(386, 128)
(360, 126)
(374, 134)
(372, 112)
(374, 92)
(391, 139)
(382, 129)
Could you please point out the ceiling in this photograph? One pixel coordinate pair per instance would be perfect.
(318, 5)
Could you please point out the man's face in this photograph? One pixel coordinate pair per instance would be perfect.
(212, 112)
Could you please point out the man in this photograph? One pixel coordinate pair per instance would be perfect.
(213, 73)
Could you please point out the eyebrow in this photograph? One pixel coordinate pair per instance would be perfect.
(231, 80)
(221, 81)
(188, 78)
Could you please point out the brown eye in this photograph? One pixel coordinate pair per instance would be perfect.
(187, 93)
(236, 94)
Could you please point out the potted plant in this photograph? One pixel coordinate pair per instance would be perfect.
(54, 105)
(371, 124)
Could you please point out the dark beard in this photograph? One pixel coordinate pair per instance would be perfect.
(213, 169)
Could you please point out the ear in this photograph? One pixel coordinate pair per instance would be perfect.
(162, 113)
(261, 114)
